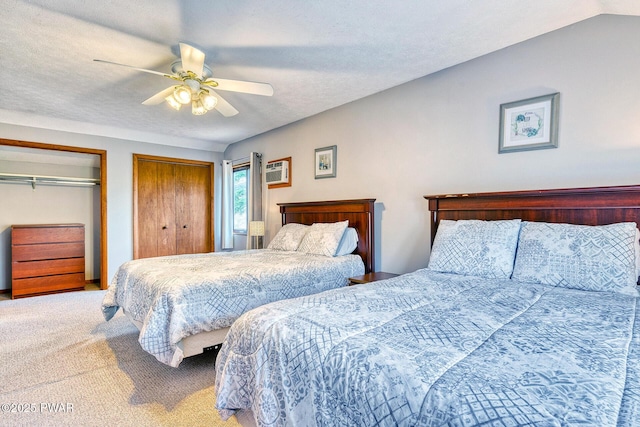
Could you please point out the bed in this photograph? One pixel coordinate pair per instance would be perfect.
(470, 340)
(184, 304)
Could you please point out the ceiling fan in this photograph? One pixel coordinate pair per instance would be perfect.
(195, 85)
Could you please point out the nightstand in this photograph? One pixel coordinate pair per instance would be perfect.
(370, 277)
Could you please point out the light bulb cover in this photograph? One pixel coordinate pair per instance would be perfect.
(208, 101)
(182, 94)
(173, 102)
(197, 109)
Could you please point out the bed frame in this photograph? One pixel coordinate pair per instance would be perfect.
(359, 212)
(586, 206)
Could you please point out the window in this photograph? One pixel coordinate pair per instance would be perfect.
(240, 194)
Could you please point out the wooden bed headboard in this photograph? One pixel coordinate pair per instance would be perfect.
(359, 212)
(587, 206)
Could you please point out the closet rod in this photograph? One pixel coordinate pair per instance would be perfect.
(47, 180)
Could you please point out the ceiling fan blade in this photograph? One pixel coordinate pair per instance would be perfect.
(136, 68)
(160, 96)
(192, 59)
(223, 106)
(254, 88)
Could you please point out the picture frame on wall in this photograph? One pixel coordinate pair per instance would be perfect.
(530, 124)
(325, 162)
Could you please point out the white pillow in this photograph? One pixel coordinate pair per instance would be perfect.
(348, 243)
(288, 237)
(637, 254)
(323, 238)
(594, 258)
(474, 247)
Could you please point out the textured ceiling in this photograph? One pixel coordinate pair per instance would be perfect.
(316, 55)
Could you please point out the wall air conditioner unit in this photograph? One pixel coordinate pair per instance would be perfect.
(277, 172)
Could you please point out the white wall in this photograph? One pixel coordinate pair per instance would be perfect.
(119, 180)
(439, 134)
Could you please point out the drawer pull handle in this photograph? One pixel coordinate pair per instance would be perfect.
(164, 227)
(184, 226)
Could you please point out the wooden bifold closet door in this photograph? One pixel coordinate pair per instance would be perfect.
(173, 205)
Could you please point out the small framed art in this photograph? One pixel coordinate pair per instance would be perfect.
(530, 124)
(325, 162)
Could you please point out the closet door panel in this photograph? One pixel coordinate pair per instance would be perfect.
(166, 209)
(193, 191)
(147, 220)
(184, 216)
(201, 200)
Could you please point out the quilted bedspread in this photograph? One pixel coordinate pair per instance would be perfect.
(177, 296)
(436, 349)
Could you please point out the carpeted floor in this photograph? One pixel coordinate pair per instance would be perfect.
(61, 364)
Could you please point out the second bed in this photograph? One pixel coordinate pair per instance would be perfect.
(184, 304)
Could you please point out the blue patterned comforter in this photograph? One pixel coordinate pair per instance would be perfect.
(433, 349)
(177, 296)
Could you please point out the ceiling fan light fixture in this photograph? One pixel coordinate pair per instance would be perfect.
(197, 109)
(208, 101)
(192, 82)
(182, 94)
(173, 102)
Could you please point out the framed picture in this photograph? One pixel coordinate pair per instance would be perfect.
(326, 162)
(530, 124)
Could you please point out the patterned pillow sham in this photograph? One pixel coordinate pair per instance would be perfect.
(288, 237)
(594, 258)
(475, 247)
(323, 238)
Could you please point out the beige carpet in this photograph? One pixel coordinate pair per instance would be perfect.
(63, 365)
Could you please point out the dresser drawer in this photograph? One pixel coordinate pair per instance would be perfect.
(29, 235)
(37, 285)
(47, 251)
(21, 270)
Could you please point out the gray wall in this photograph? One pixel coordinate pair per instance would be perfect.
(439, 134)
(120, 180)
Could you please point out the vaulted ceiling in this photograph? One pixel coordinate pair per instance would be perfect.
(316, 55)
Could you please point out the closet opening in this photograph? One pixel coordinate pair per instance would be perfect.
(54, 184)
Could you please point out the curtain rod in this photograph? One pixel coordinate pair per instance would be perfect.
(243, 160)
(47, 180)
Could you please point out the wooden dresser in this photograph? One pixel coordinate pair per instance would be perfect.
(46, 258)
